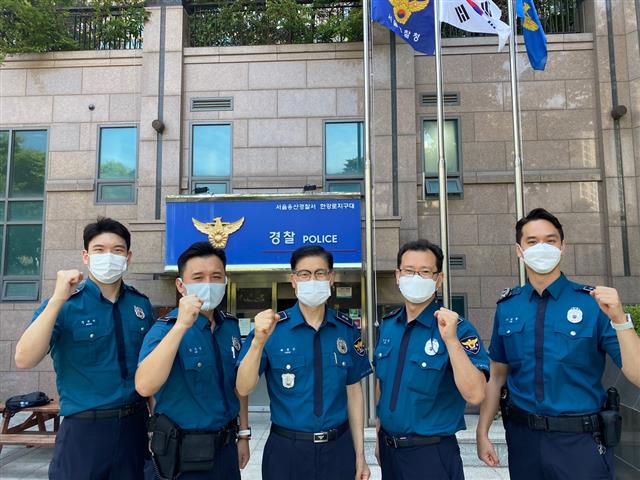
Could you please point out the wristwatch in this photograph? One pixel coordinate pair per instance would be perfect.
(244, 434)
(623, 326)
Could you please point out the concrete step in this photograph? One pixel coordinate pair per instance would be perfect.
(466, 440)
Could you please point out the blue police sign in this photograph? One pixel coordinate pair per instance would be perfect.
(261, 231)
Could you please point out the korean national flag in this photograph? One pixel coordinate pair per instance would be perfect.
(480, 16)
(411, 20)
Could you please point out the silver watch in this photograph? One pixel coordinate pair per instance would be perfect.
(623, 326)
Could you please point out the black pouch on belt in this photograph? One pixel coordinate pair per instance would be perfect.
(165, 439)
(197, 451)
(611, 419)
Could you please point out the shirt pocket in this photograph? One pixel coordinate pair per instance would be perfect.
(513, 339)
(424, 372)
(288, 373)
(382, 361)
(90, 341)
(200, 373)
(574, 343)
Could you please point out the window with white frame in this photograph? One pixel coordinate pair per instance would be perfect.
(211, 150)
(343, 156)
(117, 164)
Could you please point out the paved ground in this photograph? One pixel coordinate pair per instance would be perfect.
(32, 463)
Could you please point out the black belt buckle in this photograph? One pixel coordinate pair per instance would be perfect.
(321, 437)
(538, 422)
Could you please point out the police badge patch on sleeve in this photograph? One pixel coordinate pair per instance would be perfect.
(359, 348)
(471, 344)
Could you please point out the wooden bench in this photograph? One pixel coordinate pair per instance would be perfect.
(18, 434)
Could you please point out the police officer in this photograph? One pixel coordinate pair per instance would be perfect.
(187, 362)
(313, 359)
(429, 363)
(549, 342)
(94, 329)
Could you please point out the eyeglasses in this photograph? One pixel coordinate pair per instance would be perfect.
(409, 272)
(305, 275)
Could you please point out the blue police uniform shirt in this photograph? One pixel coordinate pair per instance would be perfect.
(200, 390)
(307, 371)
(95, 345)
(418, 392)
(555, 345)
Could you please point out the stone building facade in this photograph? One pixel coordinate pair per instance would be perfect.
(579, 162)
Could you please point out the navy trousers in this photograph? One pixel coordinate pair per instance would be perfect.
(101, 449)
(539, 455)
(286, 459)
(439, 461)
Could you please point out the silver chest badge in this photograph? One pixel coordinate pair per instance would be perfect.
(288, 380)
(431, 347)
(341, 345)
(574, 315)
(139, 312)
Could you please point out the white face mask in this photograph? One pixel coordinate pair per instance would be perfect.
(106, 267)
(542, 257)
(210, 293)
(313, 293)
(417, 289)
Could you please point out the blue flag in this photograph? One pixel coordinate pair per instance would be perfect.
(411, 20)
(534, 38)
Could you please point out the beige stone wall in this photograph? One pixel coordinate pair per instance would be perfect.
(282, 97)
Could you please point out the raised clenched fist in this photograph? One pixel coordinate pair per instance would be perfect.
(265, 323)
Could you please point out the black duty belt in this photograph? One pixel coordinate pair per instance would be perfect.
(121, 412)
(317, 437)
(568, 423)
(405, 441)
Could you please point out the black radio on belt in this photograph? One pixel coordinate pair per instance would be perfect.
(165, 440)
(611, 420)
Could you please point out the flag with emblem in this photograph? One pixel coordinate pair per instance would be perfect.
(535, 39)
(476, 16)
(412, 20)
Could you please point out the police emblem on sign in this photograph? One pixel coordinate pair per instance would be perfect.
(139, 312)
(471, 344)
(574, 315)
(342, 345)
(359, 348)
(235, 341)
(431, 347)
(288, 380)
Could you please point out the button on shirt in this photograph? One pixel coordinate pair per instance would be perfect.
(555, 344)
(95, 345)
(199, 392)
(307, 371)
(418, 392)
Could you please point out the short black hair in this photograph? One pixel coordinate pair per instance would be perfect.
(200, 249)
(422, 245)
(105, 225)
(538, 214)
(311, 251)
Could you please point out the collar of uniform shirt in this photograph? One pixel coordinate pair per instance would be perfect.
(297, 319)
(203, 322)
(91, 286)
(555, 289)
(426, 317)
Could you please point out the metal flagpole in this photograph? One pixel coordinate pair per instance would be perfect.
(369, 317)
(517, 129)
(442, 163)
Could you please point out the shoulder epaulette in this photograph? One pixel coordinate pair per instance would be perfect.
(283, 315)
(135, 290)
(508, 293)
(167, 319)
(392, 313)
(344, 318)
(78, 289)
(227, 315)
(583, 288)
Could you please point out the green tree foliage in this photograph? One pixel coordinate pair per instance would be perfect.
(275, 22)
(38, 26)
(634, 311)
(34, 26)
